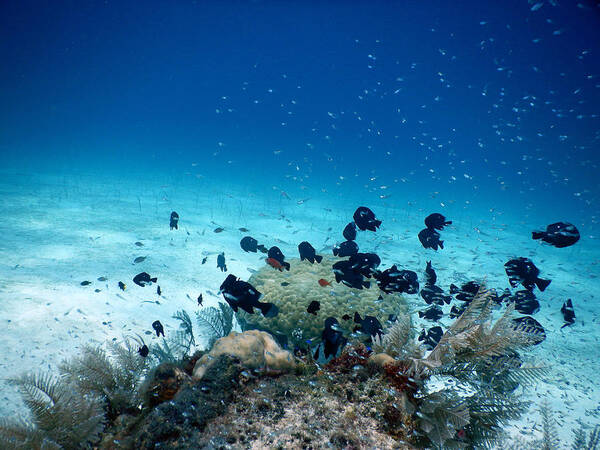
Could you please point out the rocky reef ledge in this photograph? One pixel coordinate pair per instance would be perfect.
(344, 404)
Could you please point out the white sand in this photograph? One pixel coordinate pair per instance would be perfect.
(59, 231)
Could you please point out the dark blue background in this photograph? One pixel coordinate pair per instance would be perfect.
(128, 85)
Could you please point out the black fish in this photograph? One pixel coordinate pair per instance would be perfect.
(346, 248)
(158, 290)
(249, 244)
(369, 325)
(394, 280)
(524, 271)
(344, 273)
(204, 259)
(559, 234)
(333, 339)
(436, 221)
(313, 307)
(174, 220)
(158, 328)
(434, 295)
(143, 278)
(430, 275)
(102, 279)
(431, 337)
(456, 311)
(430, 239)
(85, 283)
(568, 313)
(466, 292)
(200, 300)
(144, 351)
(525, 302)
(531, 326)
(365, 263)
(241, 294)
(122, 285)
(365, 219)
(431, 313)
(349, 232)
(308, 252)
(285, 283)
(221, 262)
(219, 230)
(276, 254)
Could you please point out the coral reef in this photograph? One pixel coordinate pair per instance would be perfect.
(300, 287)
(255, 349)
(460, 396)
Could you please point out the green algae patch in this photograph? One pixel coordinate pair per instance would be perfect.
(293, 290)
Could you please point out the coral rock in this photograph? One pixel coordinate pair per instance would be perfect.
(379, 360)
(255, 350)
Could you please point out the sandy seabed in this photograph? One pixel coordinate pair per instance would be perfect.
(58, 231)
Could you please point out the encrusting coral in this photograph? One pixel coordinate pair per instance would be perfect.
(255, 350)
(292, 291)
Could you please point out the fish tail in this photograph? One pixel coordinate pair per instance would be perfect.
(441, 244)
(286, 265)
(537, 234)
(268, 309)
(449, 222)
(454, 289)
(421, 313)
(542, 284)
(318, 258)
(153, 279)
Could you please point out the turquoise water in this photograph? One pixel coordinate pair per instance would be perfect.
(283, 118)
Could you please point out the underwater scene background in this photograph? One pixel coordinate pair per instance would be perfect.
(277, 120)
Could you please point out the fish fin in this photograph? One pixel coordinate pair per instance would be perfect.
(542, 284)
(286, 265)
(441, 244)
(454, 289)
(537, 234)
(318, 258)
(268, 309)
(421, 314)
(367, 284)
(449, 222)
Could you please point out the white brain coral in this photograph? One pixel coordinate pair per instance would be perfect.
(301, 286)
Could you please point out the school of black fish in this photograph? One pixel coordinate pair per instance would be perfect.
(361, 271)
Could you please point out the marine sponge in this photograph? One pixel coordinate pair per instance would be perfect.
(300, 287)
(255, 349)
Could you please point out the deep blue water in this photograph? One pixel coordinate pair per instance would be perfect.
(486, 102)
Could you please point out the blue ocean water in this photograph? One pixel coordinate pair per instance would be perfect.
(488, 112)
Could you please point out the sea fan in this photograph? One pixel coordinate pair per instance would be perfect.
(115, 378)
(62, 417)
(215, 322)
(473, 336)
(580, 441)
(395, 342)
(441, 416)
